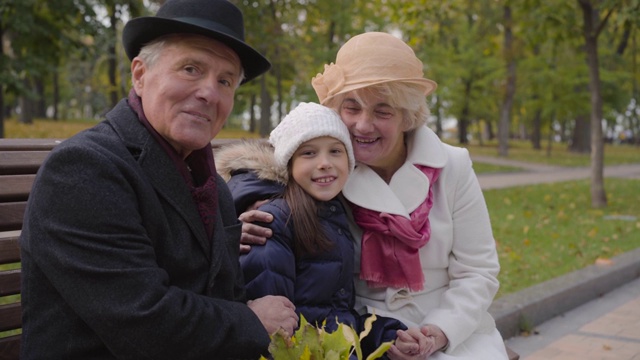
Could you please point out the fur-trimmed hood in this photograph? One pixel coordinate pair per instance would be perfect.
(255, 155)
(249, 168)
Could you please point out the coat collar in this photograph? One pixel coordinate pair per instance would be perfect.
(409, 186)
(155, 163)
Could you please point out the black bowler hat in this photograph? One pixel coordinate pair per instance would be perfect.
(217, 19)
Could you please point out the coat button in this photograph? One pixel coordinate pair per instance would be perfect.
(332, 208)
(342, 291)
(340, 231)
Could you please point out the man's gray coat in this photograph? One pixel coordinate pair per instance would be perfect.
(116, 262)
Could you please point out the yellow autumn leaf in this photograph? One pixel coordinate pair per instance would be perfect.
(593, 232)
(368, 324)
(525, 229)
(561, 215)
(603, 261)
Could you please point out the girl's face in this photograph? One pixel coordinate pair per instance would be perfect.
(321, 167)
(376, 128)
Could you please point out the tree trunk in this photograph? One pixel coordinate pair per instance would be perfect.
(1, 83)
(580, 140)
(510, 86)
(56, 95)
(463, 122)
(490, 133)
(40, 105)
(479, 130)
(112, 57)
(536, 131)
(26, 105)
(437, 109)
(550, 138)
(265, 108)
(252, 113)
(591, 16)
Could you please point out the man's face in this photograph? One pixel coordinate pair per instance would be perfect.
(187, 93)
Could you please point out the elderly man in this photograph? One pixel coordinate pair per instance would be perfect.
(130, 239)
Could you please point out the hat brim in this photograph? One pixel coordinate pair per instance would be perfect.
(429, 86)
(140, 31)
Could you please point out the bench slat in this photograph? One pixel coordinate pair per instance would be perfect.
(9, 282)
(10, 347)
(28, 144)
(11, 214)
(17, 162)
(15, 187)
(9, 247)
(11, 315)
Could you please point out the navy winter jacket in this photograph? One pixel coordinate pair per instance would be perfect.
(320, 286)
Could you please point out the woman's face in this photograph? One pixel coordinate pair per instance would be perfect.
(376, 128)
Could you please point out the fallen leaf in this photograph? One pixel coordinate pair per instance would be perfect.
(604, 261)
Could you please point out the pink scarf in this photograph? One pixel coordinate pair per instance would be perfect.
(391, 243)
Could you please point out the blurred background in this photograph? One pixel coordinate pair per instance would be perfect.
(532, 70)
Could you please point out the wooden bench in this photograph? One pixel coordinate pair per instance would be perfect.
(19, 162)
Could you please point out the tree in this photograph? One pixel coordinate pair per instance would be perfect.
(592, 26)
(510, 86)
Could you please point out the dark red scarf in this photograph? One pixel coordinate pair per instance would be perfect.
(391, 243)
(198, 170)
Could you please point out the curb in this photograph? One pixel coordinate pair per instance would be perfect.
(536, 304)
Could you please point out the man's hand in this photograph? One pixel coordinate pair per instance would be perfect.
(253, 234)
(275, 312)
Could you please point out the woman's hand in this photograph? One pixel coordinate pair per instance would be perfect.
(418, 343)
(253, 234)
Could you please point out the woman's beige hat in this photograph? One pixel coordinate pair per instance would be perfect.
(368, 59)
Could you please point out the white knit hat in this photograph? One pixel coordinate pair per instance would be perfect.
(308, 121)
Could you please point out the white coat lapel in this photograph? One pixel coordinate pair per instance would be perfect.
(409, 186)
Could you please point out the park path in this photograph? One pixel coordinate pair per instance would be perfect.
(539, 173)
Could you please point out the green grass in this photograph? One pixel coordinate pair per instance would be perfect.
(544, 231)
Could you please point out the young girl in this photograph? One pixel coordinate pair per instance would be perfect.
(310, 257)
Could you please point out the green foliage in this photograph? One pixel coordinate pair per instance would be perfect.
(460, 42)
(314, 343)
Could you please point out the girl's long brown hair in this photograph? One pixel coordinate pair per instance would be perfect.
(308, 236)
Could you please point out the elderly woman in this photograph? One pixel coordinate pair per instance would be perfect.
(426, 254)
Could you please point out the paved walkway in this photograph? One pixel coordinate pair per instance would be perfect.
(606, 322)
(604, 328)
(544, 173)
